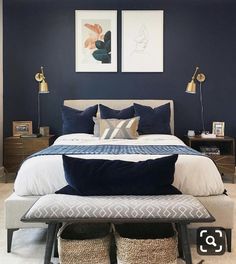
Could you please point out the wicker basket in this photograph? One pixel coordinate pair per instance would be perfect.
(84, 244)
(146, 250)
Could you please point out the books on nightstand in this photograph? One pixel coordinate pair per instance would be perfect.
(204, 135)
(30, 136)
(213, 150)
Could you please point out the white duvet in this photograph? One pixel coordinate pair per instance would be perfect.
(196, 175)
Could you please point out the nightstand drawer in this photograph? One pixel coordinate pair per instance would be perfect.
(31, 145)
(225, 164)
(18, 149)
(13, 150)
(13, 162)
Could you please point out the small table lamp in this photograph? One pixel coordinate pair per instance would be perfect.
(43, 89)
(191, 88)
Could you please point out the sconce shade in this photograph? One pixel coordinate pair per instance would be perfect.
(43, 87)
(191, 87)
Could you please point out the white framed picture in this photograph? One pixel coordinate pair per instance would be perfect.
(218, 128)
(142, 41)
(95, 41)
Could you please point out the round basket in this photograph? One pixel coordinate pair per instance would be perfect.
(87, 244)
(148, 251)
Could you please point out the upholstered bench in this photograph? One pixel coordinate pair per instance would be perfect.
(54, 209)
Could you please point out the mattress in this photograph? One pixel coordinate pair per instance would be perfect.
(195, 175)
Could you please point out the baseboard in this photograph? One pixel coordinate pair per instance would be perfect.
(2, 173)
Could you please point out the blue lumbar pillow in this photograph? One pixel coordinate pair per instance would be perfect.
(153, 120)
(107, 113)
(117, 177)
(76, 121)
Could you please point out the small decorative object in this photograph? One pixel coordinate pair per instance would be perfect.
(191, 88)
(142, 41)
(191, 133)
(44, 131)
(218, 128)
(21, 128)
(208, 135)
(43, 89)
(96, 40)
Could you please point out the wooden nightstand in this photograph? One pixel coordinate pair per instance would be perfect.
(225, 161)
(16, 149)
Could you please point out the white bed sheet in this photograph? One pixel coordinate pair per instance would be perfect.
(195, 175)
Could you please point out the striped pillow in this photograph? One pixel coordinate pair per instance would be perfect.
(96, 129)
(119, 128)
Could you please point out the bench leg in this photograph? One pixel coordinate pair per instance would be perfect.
(49, 244)
(180, 249)
(228, 233)
(185, 243)
(9, 238)
(55, 250)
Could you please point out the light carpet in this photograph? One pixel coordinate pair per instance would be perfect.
(29, 244)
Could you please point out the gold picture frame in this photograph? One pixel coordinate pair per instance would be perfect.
(21, 128)
(218, 128)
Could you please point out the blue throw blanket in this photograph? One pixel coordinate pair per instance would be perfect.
(117, 150)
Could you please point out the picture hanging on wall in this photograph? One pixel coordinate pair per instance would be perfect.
(142, 41)
(96, 40)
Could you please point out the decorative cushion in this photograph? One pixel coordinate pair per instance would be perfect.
(96, 129)
(118, 177)
(76, 121)
(166, 207)
(119, 128)
(107, 112)
(153, 120)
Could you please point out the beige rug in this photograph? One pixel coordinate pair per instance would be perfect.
(28, 244)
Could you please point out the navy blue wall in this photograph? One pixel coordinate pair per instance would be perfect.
(40, 32)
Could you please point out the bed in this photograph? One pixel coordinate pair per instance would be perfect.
(194, 174)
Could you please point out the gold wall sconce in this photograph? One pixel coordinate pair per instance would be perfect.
(40, 77)
(42, 89)
(192, 89)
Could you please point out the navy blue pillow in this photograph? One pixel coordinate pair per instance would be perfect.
(106, 112)
(76, 121)
(153, 120)
(117, 177)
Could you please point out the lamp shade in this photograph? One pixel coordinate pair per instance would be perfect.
(43, 87)
(191, 87)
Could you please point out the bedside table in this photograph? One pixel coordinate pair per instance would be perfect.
(16, 149)
(225, 161)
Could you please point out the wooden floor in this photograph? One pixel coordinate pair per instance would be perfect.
(28, 244)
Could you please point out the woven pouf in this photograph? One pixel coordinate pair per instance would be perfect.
(84, 244)
(148, 251)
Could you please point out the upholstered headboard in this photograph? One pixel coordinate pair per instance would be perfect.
(120, 103)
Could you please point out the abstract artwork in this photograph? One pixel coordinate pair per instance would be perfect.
(96, 40)
(142, 41)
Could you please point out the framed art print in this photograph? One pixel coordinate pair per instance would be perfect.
(142, 41)
(95, 41)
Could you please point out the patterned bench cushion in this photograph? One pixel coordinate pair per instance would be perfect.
(170, 208)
